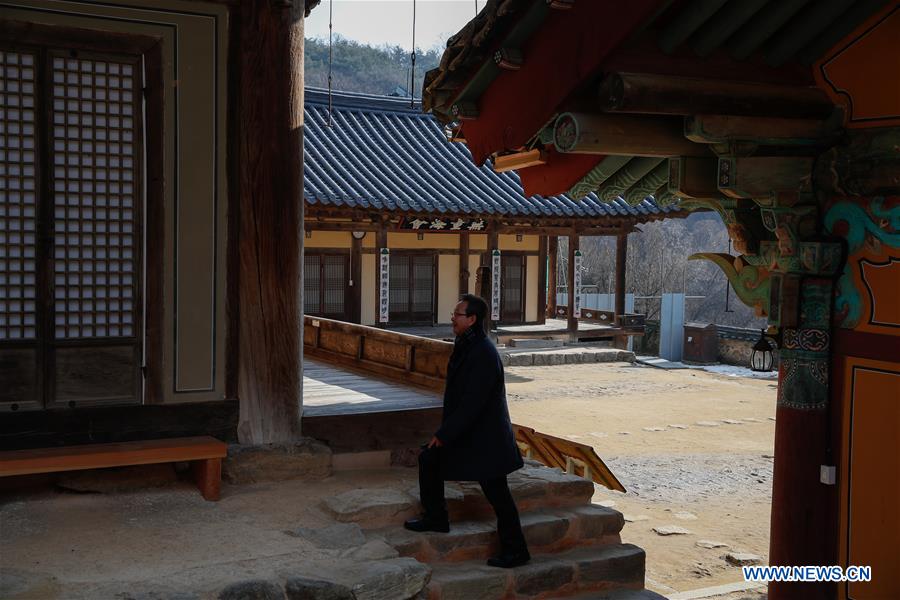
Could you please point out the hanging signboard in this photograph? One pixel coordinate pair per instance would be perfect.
(384, 289)
(495, 285)
(576, 287)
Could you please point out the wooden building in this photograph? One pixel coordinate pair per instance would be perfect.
(379, 174)
(150, 189)
(784, 117)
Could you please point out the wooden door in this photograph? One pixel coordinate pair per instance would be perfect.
(512, 288)
(412, 288)
(71, 201)
(325, 289)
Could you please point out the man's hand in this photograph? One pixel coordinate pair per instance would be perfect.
(435, 443)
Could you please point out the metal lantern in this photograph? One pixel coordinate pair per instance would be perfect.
(761, 358)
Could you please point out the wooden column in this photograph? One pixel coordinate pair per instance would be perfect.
(621, 257)
(572, 322)
(355, 311)
(542, 280)
(270, 241)
(552, 274)
(380, 242)
(463, 263)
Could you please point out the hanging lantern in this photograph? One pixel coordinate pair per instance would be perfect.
(761, 358)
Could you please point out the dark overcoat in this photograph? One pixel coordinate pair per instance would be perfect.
(475, 428)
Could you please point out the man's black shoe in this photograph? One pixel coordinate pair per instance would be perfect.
(508, 561)
(427, 524)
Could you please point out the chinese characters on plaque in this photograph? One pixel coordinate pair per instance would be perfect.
(495, 285)
(576, 287)
(384, 280)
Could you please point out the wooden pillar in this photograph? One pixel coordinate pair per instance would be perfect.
(542, 280)
(572, 325)
(552, 274)
(621, 341)
(380, 242)
(355, 312)
(270, 239)
(463, 263)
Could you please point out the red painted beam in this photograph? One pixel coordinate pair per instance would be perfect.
(561, 172)
(564, 53)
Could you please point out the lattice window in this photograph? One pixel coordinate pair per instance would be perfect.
(94, 156)
(18, 201)
(334, 280)
(312, 295)
(511, 288)
(423, 285)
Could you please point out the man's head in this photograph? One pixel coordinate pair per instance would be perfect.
(470, 312)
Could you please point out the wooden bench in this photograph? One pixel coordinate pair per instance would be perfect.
(204, 453)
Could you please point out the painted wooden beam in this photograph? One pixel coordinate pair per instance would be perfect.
(764, 131)
(691, 18)
(763, 25)
(694, 177)
(723, 24)
(627, 176)
(598, 176)
(671, 95)
(624, 135)
(509, 59)
(519, 160)
(759, 177)
(802, 30)
(648, 184)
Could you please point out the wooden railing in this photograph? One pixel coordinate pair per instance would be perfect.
(390, 355)
(571, 457)
(628, 321)
(421, 361)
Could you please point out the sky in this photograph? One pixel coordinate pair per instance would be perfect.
(378, 22)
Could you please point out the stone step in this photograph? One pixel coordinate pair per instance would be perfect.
(618, 594)
(547, 531)
(535, 343)
(565, 356)
(573, 572)
(534, 487)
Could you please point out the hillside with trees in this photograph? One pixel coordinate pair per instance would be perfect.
(657, 256)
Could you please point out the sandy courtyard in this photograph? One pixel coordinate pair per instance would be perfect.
(693, 449)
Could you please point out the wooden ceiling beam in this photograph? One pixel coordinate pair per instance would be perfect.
(624, 135)
(519, 160)
(670, 95)
(763, 131)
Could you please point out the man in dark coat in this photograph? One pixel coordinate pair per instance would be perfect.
(475, 441)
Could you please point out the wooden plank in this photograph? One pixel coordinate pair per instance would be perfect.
(765, 131)
(671, 95)
(97, 456)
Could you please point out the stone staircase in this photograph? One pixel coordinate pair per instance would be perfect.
(575, 545)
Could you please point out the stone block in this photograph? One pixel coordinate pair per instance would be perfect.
(742, 559)
(305, 459)
(471, 583)
(504, 359)
(594, 521)
(617, 563)
(252, 589)
(303, 588)
(371, 507)
(542, 529)
(371, 550)
(338, 536)
(543, 576)
(394, 579)
(535, 343)
(348, 461)
(526, 359)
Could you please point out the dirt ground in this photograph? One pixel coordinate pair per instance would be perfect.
(693, 449)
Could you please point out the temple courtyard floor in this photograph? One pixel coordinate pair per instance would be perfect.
(693, 449)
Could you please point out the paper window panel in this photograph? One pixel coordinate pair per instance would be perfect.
(18, 199)
(95, 257)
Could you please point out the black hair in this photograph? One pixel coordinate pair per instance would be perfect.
(475, 305)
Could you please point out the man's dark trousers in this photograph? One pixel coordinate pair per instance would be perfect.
(496, 490)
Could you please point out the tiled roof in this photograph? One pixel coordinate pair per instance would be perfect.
(381, 153)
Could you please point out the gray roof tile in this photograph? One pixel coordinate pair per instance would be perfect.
(381, 153)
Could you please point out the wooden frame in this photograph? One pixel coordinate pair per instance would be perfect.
(44, 43)
(348, 300)
(435, 282)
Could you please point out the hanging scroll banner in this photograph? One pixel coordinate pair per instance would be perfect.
(576, 287)
(384, 279)
(495, 285)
